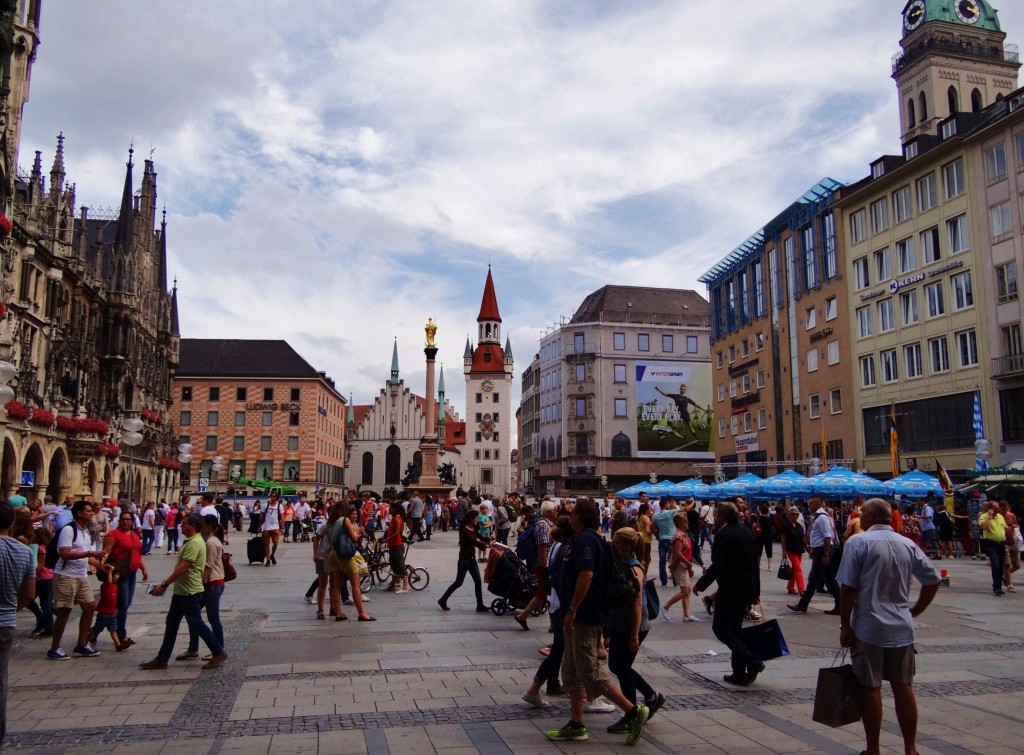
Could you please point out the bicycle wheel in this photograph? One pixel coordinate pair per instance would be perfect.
(366, 583)
(383, 572)
(419, 578)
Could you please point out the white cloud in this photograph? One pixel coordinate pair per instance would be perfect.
(335, 173)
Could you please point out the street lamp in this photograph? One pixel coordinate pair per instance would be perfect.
(131, 437)
(184, 457)
(216, 464)
(234, 472)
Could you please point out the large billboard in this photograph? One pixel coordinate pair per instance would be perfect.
(674, 415)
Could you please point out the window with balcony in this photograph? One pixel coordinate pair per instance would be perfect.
(578, 343)
(1006, 282)
(938, 351)
(953, 178)
(927, 196)
(995, 163)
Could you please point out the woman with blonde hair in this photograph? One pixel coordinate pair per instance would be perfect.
(338, 568)
(627, 628)
(680, 564)
(645, 529)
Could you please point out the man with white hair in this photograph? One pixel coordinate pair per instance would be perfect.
(542, 534)
(877, 620)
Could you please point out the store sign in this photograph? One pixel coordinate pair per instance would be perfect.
(945, 268)
(819, 334)
(747, 443)
(272, 406)
(896, 284)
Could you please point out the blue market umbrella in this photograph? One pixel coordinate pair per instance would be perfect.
(845, 483)
(634, 491)
(745, 485)
(694, 488)
(915, 484)
(788, 484)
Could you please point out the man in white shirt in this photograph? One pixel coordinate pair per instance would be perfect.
(877, 620)
(148, 528)
(71, 582)
(207, 505)
(271, 529)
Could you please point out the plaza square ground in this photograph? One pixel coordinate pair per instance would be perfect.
(423, 681)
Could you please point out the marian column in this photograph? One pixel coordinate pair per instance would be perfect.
(429, 480)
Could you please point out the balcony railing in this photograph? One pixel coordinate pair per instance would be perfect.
(582, 466)
(903, 59)
(1008, 366)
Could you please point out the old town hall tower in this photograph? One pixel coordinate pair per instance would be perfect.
(489, 419)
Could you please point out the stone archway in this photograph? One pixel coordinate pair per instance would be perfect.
(139, 494)
(92, 477)
(33, 462)
(122, 484)
(108, 480)
(57, 476)
(9, 477)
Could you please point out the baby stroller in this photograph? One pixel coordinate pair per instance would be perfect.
(307, 530)
(513, 583)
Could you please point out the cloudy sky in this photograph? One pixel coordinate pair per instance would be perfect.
(335, 172)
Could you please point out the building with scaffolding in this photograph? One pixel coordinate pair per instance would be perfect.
(781, 359)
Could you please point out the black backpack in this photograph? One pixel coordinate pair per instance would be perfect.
(526, 545)
(52, 551)
(621, 585)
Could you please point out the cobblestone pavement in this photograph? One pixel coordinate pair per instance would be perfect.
(422, 681)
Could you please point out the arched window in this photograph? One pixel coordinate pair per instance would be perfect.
(954, 100)
(976, 101)
(393, 465)
(543, 449)
(558, 448)
(911, 117)
(923, 107)
(621, 447)
(367, 468)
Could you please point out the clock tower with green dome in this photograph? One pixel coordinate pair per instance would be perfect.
(953, 59)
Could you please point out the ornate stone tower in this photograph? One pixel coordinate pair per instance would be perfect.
(489, 422)
(952, 60)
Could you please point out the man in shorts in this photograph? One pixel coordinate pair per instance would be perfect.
(71, 585)
(877, 620)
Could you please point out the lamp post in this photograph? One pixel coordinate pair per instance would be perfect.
(7, 373)
(184, 457)
(216, 464)
(131, 437)
(234, 472)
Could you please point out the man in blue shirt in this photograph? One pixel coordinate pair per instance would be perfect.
(665, 529)
(926, 516)
(877, 620)
(821, 541)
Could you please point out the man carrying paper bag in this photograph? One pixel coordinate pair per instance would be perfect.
(877, 620)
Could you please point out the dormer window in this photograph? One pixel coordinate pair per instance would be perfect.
(910, 151)
(878, 169)
(949, 128)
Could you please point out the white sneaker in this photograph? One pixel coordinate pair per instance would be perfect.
(535, 700)
(665, 616)
(693, 619)
(599, 706)
(399, 591)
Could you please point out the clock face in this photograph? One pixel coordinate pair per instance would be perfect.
(487, 386)
(967, 11)
(914, 16)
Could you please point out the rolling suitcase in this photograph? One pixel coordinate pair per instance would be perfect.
(255, 550)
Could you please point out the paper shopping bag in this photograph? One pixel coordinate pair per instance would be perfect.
(837, 697)
(765, 640)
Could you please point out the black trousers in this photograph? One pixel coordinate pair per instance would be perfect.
(466, 566)
(996, 553)
(821, 574)
(726, 624)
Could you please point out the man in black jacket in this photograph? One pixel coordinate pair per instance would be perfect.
(734, 567)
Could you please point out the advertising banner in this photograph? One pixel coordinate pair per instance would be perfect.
(747, 443)
(674, 412)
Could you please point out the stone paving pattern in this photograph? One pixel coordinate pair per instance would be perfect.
(422, 681)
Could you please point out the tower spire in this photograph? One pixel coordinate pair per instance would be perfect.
(123, 239)
(394, 364)
(57, 171)
(489, 304)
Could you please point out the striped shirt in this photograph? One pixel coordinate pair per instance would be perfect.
(879, 564)
(16, 566)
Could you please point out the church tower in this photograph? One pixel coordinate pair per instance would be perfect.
(952, 60)
(488, 369)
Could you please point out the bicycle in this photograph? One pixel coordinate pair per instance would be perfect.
(418, 576)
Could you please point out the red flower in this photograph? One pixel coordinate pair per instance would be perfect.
(82, 425)
(17, 410)
(3, 310)
(5, 225)
(42, 417)
(109, 449)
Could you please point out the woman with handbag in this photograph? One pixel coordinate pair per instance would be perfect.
(793, 547)
(123, 549)
(469, 539)
(341, 564)
(680, 564)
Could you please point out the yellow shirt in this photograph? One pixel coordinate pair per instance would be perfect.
(996, 530)
(644, 525)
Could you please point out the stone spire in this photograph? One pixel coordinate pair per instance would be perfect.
(394, 364)
(123, 239)
(57, 171)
